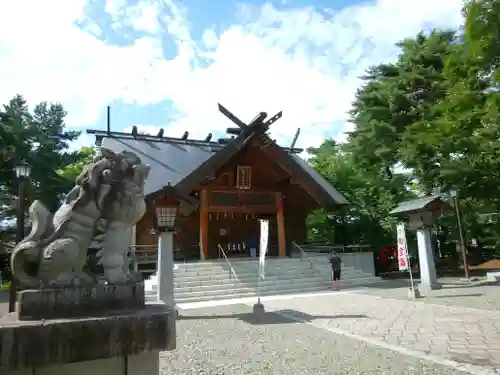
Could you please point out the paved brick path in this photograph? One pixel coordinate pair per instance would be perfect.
(455, 333)
(453, 293)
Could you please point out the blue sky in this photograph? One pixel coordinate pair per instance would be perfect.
(166, 63)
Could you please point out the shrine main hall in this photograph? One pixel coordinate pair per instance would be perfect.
(222, 188)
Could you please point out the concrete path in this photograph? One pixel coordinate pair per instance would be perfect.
(465, 338)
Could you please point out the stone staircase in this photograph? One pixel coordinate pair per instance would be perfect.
(213, 280)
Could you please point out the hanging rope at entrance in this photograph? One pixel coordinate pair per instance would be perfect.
(231, 215)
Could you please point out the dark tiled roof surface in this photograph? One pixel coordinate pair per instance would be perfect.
(415, 205)
(169, 162)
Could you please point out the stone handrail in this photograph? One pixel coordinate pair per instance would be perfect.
(303, 254)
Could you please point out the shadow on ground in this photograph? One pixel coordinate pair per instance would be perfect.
(445, 284)
(275, 317)
(460, 295)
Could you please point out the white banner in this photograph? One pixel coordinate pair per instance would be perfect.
(264, 238)
(402, 248)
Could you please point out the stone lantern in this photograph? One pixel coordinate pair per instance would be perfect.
(167, 205)
(421, 214)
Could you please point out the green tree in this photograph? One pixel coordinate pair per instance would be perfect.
(482, 34)
(371, 194)
(395, 110)
(41, 139)
(72, 171)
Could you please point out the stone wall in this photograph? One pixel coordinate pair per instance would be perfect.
(363, 262)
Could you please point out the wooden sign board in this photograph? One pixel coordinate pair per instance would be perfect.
(244, 177)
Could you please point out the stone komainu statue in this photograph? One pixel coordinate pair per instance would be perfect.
(107, 200)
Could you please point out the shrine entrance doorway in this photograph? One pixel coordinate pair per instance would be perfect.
(237, 234)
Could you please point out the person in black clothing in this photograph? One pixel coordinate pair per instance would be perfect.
(336, 265)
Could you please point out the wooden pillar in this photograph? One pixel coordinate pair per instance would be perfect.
(280, 220)
(203, 225)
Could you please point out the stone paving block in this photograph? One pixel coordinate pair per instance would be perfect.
(458, 351)
(440, 341)
(479, 354)
(438, 349)
(459, 342)
(453, 332)
(478, 347)
(408, 337)
(422, 346)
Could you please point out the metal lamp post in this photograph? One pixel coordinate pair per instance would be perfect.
(22, 174)
(166, 216)
(454, 195)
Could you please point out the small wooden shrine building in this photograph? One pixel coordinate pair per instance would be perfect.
(229, 185)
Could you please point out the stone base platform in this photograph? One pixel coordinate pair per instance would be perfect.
(140, 364)
(493, 276)
(84, 301)
(108, 343)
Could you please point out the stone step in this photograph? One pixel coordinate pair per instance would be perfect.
(242, 263)
(243, 294)
(243, 268)
(294, 289)
(269, 279)
(250, 284)
(249, 278)
(215, 271)
(209, 263)
(240, 275)
(276, 284)
(268, 270)
(249, 289)
(212, 280)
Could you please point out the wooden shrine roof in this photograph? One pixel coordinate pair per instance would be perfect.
(431, 203)
(184, 164)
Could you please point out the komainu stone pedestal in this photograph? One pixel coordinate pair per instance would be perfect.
(70, 334)
(54, 303)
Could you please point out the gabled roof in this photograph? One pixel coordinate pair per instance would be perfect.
(430, 203)
(185, 165)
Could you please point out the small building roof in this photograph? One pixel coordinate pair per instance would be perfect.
(186, 163)
(431, 203)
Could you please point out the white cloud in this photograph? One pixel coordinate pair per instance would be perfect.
(142, 17)
(84, 140)
(299, 61)
(45, 57)
(209, 38)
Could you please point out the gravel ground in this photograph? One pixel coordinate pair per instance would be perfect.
(454, 293)
(4, 303)
(231, 340)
